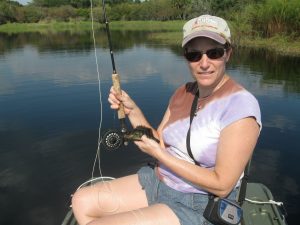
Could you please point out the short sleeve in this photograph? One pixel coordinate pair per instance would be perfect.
(240, 105)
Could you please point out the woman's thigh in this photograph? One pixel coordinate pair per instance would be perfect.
(110, 197)
(157, 214)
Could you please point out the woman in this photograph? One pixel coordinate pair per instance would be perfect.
(223, 134)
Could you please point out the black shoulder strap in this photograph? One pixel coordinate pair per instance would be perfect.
(188, 136)
(243, 187)
(244, 182)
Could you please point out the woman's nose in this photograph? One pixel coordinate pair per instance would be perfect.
(204, 61)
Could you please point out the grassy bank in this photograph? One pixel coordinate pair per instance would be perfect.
(279, 44)
(44, 27)
(86, 25)
(172, 26)
(165, 32)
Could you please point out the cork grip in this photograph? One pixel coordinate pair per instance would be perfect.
(117, 87)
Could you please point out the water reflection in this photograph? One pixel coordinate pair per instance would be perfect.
(38, 64)
(50, 108)
(73, 41)
(276, 70)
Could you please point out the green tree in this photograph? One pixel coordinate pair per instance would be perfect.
(81, 3)
(198, 7)
(50, 3)
(181, 7)
(119, 1)
(220, 7)
(7, 12)
(62, 13)
(157, 10)
(33, 14)
(83, 13)
(13, 3)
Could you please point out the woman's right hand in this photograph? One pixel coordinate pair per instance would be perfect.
(116, 99)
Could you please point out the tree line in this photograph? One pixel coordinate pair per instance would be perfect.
(265, 18)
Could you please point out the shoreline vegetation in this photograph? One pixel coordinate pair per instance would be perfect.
(164, 32)
(266, 24)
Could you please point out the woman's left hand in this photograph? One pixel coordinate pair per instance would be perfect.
(149, 146)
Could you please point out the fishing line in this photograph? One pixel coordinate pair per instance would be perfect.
(93, 180)
(97, 157)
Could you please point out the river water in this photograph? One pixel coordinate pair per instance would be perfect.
(51, 108)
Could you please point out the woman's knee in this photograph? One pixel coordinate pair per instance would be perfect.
(95, 200)
(78, 200)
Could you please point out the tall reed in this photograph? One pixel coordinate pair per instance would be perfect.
(276, 17)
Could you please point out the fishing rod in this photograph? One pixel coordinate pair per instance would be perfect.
(115, 75)
(114, 139)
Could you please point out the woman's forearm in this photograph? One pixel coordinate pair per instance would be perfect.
(137, 118)
(202, 177)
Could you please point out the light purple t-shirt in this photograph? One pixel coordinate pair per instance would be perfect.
(228, 104)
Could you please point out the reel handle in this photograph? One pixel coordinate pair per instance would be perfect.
(117, 87)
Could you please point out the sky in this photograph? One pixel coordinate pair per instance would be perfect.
(23, 2)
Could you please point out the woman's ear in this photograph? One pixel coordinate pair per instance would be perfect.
(228, 54)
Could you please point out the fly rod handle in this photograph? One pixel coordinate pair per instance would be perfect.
(117, 87)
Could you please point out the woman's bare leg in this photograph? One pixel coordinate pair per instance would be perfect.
(158, 214)
(108, 198)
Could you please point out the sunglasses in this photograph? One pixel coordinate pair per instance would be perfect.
(195, 56)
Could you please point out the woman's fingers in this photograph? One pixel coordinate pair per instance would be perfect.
(116, 99)
(114, 102)
(112, 99)
(148, 145)
(118, 95)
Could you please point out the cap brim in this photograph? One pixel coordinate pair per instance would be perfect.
(204, 33)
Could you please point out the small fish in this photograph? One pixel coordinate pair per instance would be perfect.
(137, 133)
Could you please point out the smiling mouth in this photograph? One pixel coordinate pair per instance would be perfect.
(205, 73)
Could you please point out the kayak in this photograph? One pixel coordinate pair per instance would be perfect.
(259, 207)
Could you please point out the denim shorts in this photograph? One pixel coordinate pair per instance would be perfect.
(188, 207)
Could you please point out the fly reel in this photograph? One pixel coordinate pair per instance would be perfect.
(114, 139)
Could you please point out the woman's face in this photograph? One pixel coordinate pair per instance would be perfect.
(207, 72)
